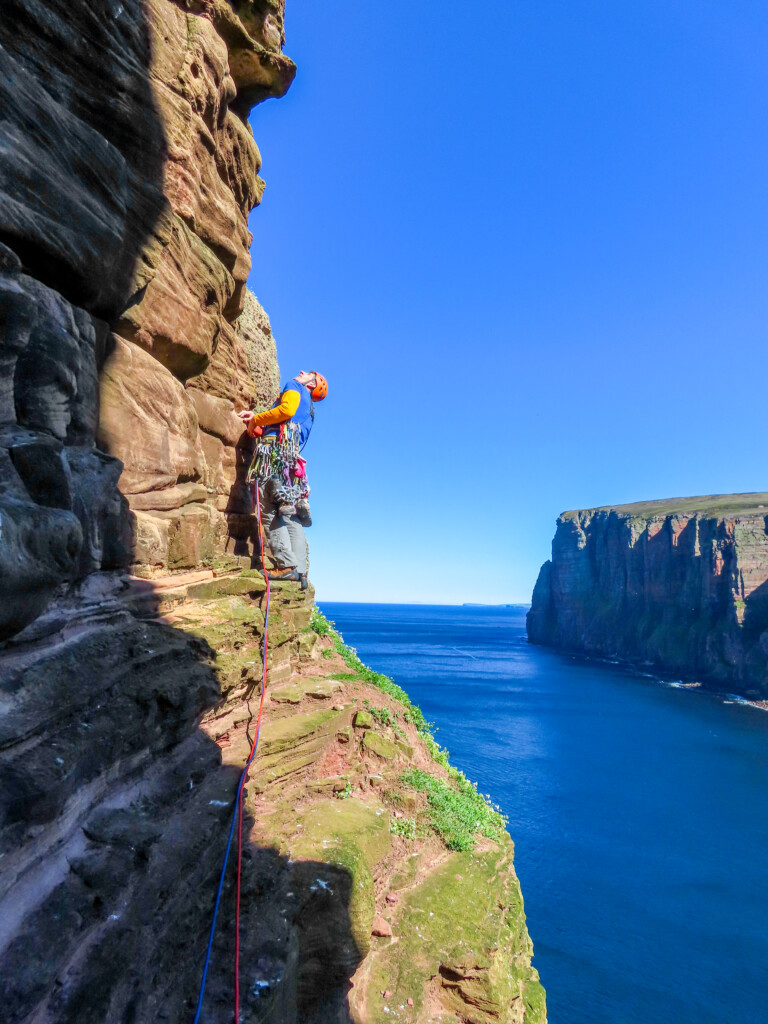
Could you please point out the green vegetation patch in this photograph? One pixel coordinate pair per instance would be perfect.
(384, 716)
(405, 827)
(457, 812)
(710, 505)
(464, 922)
(412, 713)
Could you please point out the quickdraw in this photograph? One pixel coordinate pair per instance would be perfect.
(276, 454)
(276, 457)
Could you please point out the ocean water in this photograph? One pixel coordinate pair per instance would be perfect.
(639, 811)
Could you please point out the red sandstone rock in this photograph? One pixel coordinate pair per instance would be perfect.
(151, 427)
(677, 585)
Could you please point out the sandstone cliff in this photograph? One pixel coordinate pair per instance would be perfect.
(132, 612)
(680, 584)
(127, 172)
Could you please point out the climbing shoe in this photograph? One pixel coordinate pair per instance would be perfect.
(302, 512)
(304, 581)
(290, 574)
(286, 510)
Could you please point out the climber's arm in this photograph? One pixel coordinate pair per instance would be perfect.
(289, 403)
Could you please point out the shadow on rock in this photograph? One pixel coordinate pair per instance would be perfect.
(82, 166)
(115, 809)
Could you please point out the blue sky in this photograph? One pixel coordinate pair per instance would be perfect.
(527, 244)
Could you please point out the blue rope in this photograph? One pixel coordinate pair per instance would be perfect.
(248, 764)
(218, 900)
(231, 833)
(234, 813)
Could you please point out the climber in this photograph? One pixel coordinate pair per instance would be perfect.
(283, 490)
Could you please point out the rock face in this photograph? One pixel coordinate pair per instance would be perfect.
(681, 584)
(114, 803)
(132, 618)
(127, 173)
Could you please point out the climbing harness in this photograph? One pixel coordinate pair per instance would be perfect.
(276, 459)
(275, 454)
(238, 811)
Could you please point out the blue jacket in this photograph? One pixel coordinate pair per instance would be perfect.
(304, 415)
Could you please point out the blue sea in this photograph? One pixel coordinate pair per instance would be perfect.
(639, 811)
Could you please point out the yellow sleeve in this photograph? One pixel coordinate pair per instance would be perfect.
(289, 403)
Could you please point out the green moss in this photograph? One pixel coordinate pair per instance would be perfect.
(220, 621)
(288, 732)
(405, 748)
(354, 836)
(294, 693)
(457, 812)
(225, 586)
(379, 745)
(238, 665)
(407, 873)
(468, 934)
(362, 903)
(364, 824)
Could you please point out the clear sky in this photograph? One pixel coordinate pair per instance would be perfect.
(527, 243)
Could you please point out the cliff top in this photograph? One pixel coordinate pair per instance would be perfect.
(707, 504)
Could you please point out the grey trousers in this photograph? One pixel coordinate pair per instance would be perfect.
(285, 534)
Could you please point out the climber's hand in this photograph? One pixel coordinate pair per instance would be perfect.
(246, 416)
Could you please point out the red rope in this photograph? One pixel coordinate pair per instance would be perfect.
(257, 502)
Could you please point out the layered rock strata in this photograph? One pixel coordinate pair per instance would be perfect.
(114, 802)
(680, 585)
(127, 173)
(132, 617)
(116, 808)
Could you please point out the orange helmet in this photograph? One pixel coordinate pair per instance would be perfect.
(320, 390)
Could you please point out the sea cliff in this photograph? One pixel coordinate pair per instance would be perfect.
(680, 585)
(133, 606)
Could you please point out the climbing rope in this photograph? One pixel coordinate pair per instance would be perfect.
(238, 812)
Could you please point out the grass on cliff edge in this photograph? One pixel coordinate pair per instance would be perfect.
(323, 627)
(457, 812)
